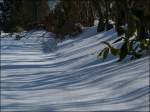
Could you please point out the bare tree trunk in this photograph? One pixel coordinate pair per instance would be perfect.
(107, 14)
(101, 26)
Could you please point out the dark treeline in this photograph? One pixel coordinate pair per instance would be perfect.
(26, 14)
(19, 14)
(131, 17)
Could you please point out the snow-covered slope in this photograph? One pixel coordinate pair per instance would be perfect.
(70, 78)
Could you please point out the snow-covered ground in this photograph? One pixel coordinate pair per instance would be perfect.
(70, 78)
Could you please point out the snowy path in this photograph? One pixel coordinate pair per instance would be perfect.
(71, 78)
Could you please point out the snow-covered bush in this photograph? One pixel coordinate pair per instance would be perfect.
(135, 41)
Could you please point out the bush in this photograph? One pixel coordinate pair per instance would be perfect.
(120, 30)
(18, 37)
(69, 28)
(132, 47)
(18, 29)
(133, 44)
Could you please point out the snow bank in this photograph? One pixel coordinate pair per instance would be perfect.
(49, 43)
(46, 40)
(70, 78)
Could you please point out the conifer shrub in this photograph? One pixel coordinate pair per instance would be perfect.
(132, 44)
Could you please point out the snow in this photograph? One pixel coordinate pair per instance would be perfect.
(70, 77)
(52, 4)
(49, 44)
(1, 1)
